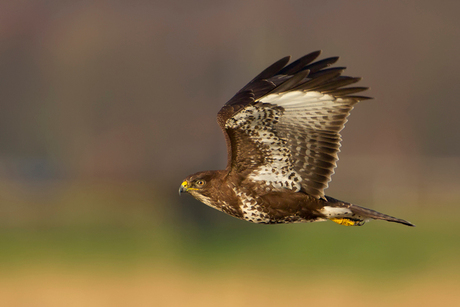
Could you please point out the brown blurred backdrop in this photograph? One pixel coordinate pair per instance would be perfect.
(105, 106)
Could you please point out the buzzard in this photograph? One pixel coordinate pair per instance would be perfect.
(283, 135)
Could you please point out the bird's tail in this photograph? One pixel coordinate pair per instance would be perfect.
(347, 214)
(372, 214)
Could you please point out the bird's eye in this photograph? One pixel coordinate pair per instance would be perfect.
(200, 183)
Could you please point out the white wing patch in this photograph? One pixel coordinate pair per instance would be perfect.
(296, 97)
(278, 168)
(311, 123)
(298, 133)
(313, 110)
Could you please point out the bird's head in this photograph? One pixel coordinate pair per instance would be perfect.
(196, 184)
(204, 186)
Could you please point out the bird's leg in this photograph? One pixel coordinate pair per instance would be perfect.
(348, 221)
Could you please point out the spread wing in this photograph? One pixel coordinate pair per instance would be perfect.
(283, 127)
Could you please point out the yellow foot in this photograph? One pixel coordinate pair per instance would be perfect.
(347, 222)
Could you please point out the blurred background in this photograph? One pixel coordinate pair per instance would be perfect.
(105, 106)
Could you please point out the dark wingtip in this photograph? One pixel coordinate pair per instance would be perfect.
(317, 52)
(360, 98)
(299, 64)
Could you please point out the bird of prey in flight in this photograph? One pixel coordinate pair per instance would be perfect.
(283, 137)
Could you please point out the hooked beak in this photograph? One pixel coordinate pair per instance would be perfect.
(183, 188)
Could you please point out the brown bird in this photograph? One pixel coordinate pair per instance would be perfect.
(283, 135)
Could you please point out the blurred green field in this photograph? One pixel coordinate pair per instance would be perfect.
(166, 261)
(377, 248)
(121, 244)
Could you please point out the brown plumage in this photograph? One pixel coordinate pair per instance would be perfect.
(283, 135)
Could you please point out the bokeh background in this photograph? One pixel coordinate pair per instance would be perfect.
(105, 106)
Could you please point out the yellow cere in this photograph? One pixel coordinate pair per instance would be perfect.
(185, 185)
